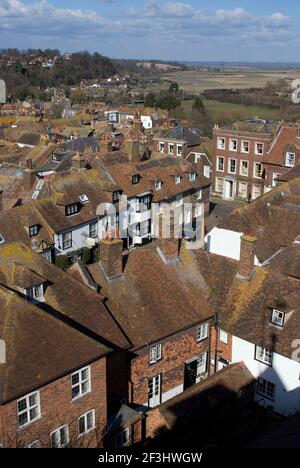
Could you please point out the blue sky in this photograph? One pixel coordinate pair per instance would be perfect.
(229, 30)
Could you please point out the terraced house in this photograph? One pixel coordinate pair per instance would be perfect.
(252, 261)
(250, 156)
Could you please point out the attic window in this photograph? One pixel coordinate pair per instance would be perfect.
(36, 293)
(177, 179)
(33, 230)
(72, 209)
(193, 176)
(278, 318)
(116, 196)
(2, 240)
(84, 199)
(135, 179)
(157, 185)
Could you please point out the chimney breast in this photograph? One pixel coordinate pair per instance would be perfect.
(29, 175)
(247, 255)
(111, 257)
(168, 241)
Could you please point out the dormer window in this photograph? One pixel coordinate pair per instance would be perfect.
(33, 230)
(2, 240)
(157, 185)
(135, 179)
(177, 179)
(290, 159)
(193, 176)
(36, 293)
(72, 209)
(278, 318)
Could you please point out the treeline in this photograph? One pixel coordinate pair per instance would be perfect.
(23, 80)
(272, 96)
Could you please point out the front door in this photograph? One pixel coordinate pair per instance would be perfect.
(154, 391)
(229, 189)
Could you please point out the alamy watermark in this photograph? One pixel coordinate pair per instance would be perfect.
(135, 219)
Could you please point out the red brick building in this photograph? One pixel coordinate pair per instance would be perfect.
(63, 369)
(248, 157)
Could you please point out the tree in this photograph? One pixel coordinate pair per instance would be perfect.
(198, 104)
(174, 87)
(150, 100)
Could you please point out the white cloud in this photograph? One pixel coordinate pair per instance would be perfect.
(172, 22)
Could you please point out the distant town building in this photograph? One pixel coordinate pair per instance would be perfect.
(2, 92)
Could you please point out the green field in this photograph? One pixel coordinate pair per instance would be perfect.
(225, 112)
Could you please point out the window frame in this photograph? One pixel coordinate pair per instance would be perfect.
(66, 426)
(256, 148)
(243, 147)
(199, 335)
(122, 445)
(223, 164)
(31, 293)
(231, 148)
(229, 165)
(223, 146)
(33, 230)
(95, 230)
(81, 382)
(158, 185)
(274, 311)
(287, 155)
(193, 176)
(67, 244)
(158, 351)
(161, 147)
(204, 365)
(169, 148)
(216, 185)
(223, 337)
(85, 416)
(177, 180)
(72, 209)
(135, 179)
(261, 381)
(241, 168)
(262, 357)
(28, 409)
(254, 170)
(179, 152)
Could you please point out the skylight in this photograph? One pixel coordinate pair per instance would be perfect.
(83, 198)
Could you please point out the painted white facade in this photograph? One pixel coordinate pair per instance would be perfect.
(284, 373)
(225, 243)
(80, 238)
(146, 121)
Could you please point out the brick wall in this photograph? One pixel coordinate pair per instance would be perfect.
(176, 351)
(58, 409)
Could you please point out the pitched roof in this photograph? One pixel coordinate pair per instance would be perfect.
(153, 300)
(184, 134)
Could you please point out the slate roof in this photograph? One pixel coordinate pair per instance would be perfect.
(184, 134)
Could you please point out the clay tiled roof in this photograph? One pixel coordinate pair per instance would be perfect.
(153, 300)
(163, 169)
(72, 326)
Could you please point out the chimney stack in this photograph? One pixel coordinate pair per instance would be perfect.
(167, 243)
(132, 148)
(78, 161)
(106, 144)
(29, 175)
(247, 255)
(111, 257)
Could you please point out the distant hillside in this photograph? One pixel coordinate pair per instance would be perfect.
(32, 71)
